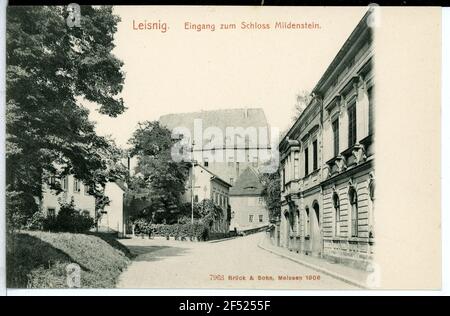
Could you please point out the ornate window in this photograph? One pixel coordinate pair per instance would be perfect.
(372, 209)
(337, 214)
(306, 161)
(353, 199)
(352, 124)
(335, 126)
(315, 159)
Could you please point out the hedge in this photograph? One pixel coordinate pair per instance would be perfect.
(196, 231)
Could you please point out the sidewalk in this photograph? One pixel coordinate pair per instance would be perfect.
(346, 274)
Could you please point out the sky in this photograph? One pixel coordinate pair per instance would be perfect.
(185, 70)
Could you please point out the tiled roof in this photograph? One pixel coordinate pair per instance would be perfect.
(247, 184)
(241, 117)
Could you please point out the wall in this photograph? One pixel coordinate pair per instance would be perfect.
(113, 219)
(243, 207)
(81, 200)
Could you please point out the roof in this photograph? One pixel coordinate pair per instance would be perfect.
(239, 117)
(214, 176)
(247, 184)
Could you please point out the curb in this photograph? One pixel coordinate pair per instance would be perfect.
(322, 270)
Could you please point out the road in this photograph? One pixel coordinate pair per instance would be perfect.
(234, 263)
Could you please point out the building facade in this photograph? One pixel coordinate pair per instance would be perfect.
(225, 141)
(327, 156)
(207, 185)
(72, 189)
(248, 208)
(112, 217)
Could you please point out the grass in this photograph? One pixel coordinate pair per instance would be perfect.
(39, 259)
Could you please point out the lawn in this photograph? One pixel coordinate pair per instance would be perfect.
(39, 259)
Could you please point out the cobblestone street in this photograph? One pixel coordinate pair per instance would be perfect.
(233, 263)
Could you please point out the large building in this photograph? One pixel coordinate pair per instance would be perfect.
(248, 208)
(327, 161)
(225, 141)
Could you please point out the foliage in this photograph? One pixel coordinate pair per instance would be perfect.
(69, 219)
(155, 192)
(39, 260)
(36, 221)
(302, 100)
(208, 211)
(272, 193)
(50, 69)
(19, 208)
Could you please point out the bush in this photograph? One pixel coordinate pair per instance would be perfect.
(69, 220)
(181, 231)
(36, 222)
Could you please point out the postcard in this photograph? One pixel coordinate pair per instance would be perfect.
(223, 147)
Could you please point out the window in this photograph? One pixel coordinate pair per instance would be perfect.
(372, 209)
(260, 218)
(307, 223)
(306, 161)
(371, 107)
(250, 218)
(65, 183)
(231, 181)
(51, 212)
(206, 163)
(76, 186)
(296, 166)
(284, 178)
(315, 155)
(86, 189)
(52, 180)
(352, 125)
(337, 214)
(196, 198)
(353, 197)
(335, 127)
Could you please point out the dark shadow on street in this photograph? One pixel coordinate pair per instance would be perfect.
(155, 253)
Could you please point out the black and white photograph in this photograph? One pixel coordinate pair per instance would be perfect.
(207, 147)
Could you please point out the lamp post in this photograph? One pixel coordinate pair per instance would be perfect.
(192, 182)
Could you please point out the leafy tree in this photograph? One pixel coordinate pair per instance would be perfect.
(272, 193)
(302, 100)
(51, 68)
(159, 182)
(208, 211)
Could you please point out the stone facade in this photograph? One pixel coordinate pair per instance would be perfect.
(327, 170)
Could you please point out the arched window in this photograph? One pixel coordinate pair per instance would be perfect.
(353, 199)
(372, 209)
(297, 221)
(337, 214)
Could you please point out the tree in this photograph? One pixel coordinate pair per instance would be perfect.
(272, 193)
(159, 182)
(302, 100)
(50, 69)
(208, 211)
